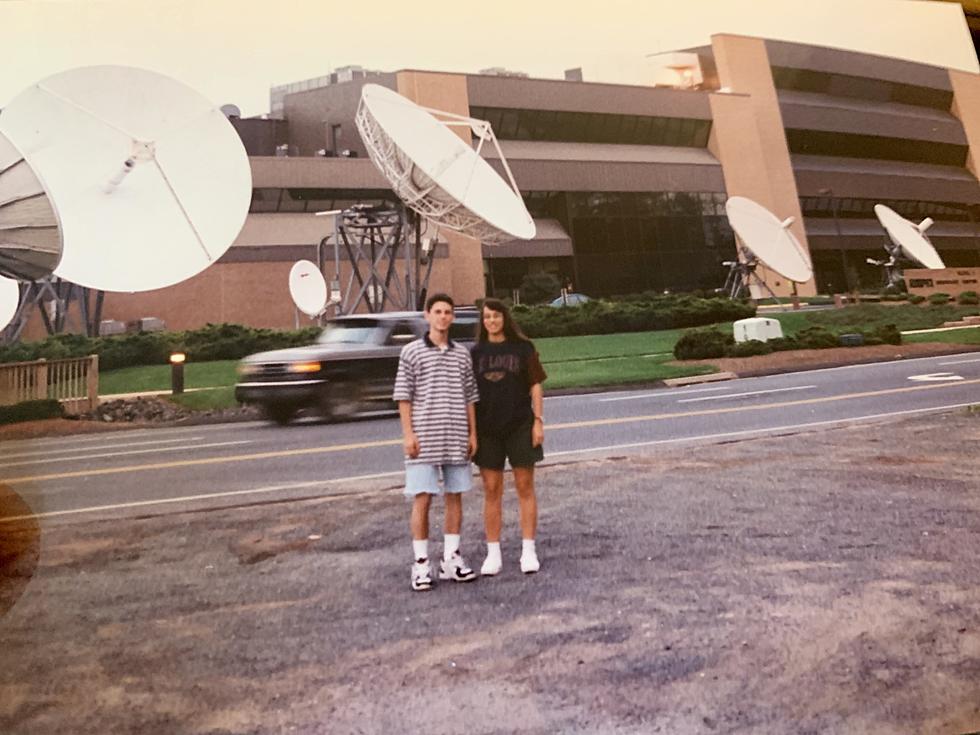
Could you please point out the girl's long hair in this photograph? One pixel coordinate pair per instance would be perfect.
(512, 332)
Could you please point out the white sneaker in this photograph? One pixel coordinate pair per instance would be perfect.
(491, 566)
(455, 569)
(530, 563)
(421, 575)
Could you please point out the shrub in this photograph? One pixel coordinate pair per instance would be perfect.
(749, 348)
(699, 344)
(816, 338)
(938, 299)
(916, 298)
(968, 298)
(47, 408)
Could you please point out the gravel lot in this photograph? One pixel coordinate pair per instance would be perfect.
(818, 582)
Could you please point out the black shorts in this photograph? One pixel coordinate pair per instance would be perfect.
(492, 449)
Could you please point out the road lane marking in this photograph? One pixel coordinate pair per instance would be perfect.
(206, 496)
(37, 452)
(934, 377)
(155, 450)
(960, 362)
(567, 425)
(204, 461)
(748, 432)
(664, 394)
(746, 393)
(400, 473)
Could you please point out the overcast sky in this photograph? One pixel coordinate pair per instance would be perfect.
(234, 50)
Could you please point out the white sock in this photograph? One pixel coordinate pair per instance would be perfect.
(450, 546)
(527, 549)
(493, 550)
(420, 549)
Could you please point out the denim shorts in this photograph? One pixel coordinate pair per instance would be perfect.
(433, 478)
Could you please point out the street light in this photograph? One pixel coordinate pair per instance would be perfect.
(829, 192)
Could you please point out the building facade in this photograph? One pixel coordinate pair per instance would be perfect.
(626, 183)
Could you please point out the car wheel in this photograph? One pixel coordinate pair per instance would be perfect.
(341, 400)
(279, 413)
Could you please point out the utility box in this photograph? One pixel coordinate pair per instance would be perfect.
(757, 328)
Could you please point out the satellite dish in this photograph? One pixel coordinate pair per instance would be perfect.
(910, 237)
(30, 238)
(769, 239)
(308, 288)
(9, 300)
(230, 110)
(150, 181)
(436, 173)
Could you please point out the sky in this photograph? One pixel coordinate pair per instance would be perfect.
(232, 51)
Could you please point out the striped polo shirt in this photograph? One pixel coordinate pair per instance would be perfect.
(440, 384)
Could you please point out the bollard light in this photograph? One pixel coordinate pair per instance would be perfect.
(177, 360)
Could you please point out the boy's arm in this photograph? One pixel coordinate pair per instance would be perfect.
(471, 419)
(410, 440)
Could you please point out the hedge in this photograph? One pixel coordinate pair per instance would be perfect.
(211, 342)
(606, 317)
(700, 344)
(47, 408)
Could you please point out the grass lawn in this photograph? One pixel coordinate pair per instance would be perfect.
(157, 377)
(203, 400)
(869, 316)
(953, 337)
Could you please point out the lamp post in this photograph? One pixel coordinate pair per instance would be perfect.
(829, 192)
(177, 360)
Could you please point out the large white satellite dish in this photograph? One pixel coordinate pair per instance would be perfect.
(30, 238)
(436, 173)
(910, 237)
(308, 288)
(150, 182)
(9, 300)
(769, 238)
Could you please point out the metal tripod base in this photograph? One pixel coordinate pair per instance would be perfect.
(741, 276)
(53, 298)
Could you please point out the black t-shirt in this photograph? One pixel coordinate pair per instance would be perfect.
(505, 372)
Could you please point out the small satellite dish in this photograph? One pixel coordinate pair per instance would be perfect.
(308, 288)
(769, 239)
(150, 181)
(436, 173)
(30, 238)
(910, 237)
(230, 110)
(9, 300)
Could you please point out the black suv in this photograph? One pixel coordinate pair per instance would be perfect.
(350, 370)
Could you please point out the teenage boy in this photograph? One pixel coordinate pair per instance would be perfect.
(435, 390)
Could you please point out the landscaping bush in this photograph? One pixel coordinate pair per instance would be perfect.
(938, 299)
(699, 344)
(968, 298)
(606, 317)
(816, 338)
(211, 342)
(916, 298)
(47, 408)
(749, 348)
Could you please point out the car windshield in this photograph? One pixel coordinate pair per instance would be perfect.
(351, 331)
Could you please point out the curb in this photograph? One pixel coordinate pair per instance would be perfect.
(695, 379)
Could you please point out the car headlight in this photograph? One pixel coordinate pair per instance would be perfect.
(246, 369)
(304, 367)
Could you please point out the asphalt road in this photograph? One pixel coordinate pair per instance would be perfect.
(160, 470)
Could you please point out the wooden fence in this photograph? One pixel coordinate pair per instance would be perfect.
(73, 382)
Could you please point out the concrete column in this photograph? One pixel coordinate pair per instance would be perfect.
(966, 107)
(461, 275)
(748, 138)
